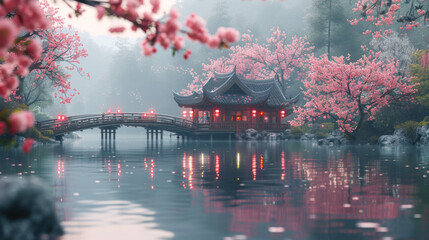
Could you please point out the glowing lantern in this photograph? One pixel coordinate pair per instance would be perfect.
(261, 113)
(184, 114)
(217, 111)
(144, 115)
(109, 111)
(191, 114)
(118, 110)
(61, 117)
(283, 113)
(253, 113)
(152, 111)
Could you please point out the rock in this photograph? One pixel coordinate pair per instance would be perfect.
(308, 136)
(422, 135)
(252, 134)
(286, 135)
(335, 138)
(397, 138)
(73, 135)
(27, 210)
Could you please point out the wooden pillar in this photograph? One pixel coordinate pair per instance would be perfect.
(110, 135)
(114, 134)
(156, 135)
(105, 135)
(101, 134)
(147, 135)
(151, 135)
(162, 133)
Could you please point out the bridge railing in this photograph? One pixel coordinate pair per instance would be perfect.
(98, 120)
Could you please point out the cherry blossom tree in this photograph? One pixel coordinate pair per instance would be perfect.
(61, 52)
(351, 92)
(277, 56)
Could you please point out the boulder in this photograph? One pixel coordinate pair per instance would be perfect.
(308, 136)
(397, 138)
(422, 135)
(335, 138)
(286, 135)
(27, 210)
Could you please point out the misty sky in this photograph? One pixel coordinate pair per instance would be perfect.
(121, 77)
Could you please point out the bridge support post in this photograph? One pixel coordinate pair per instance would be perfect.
(105, 135)
(102, 134)
(161, 135)
(147, 135)
(156, 135)
(110, 135)
(151, 135)
(114, 134)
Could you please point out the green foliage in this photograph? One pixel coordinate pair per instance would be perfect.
(409, 128)
(48, 133)
(298, 131)
(421, 76)
(37, 135)
(321, 130)
(373, 139)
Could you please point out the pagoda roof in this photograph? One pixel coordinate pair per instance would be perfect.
(231, 90)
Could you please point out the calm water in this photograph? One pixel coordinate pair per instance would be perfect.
(242, 190)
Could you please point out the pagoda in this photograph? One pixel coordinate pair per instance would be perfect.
(229, 102)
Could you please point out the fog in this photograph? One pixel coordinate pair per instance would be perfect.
(121, 77)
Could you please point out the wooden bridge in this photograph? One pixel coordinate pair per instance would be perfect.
(154, 123)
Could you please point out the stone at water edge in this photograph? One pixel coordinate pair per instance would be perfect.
(422, 135)
(397, 138)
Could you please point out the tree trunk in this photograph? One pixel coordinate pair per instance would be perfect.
(329, 29)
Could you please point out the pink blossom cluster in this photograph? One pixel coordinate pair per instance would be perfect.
(166, 34)
(17, 54)
(62, 49)
(351, 92)
(20, 121)
(382, 13)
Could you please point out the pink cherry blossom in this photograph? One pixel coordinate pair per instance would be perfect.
(2, 128)
(351, 92)
(20, 121)
(26, 146)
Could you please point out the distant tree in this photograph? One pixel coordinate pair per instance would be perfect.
(421, 76)
(351, 92)
(329, 29)
(37, 92)
(395, 47)
(277, 56)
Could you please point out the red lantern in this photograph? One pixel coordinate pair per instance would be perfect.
(184, 114)
(118, 110)
(217, 111)
(191, 114)
(253, 113)
(261, 113)
(283, 113)
(109, 111)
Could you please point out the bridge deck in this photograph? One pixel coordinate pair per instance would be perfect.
(149, 121)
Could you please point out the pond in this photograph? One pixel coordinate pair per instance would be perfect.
(239, 190)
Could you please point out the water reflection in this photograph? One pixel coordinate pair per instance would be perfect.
(268, 190)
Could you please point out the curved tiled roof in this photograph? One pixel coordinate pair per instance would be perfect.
(253, 92)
